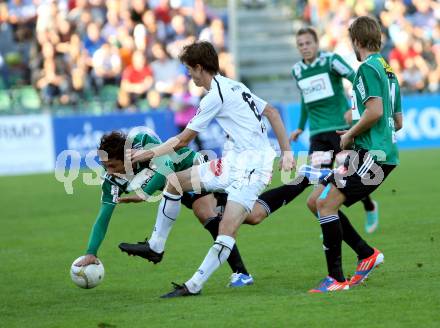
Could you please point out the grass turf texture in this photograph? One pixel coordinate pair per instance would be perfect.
(43, 230)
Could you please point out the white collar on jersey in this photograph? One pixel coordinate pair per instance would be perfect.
(214, 78)
(313, 63)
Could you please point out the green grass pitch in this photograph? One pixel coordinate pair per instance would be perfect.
(42, 230)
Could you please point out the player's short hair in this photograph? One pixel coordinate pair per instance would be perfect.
(113, 144)
(367, 32)
(201, 53)
(307, 30)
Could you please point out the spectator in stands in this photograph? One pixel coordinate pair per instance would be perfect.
(215, 34)
(166, 71)
(423, 20)
(409, 29)
(434, 77)
(106, 66)
(227, 67)
(136, 80)
(412, 77)
(110, 30)
(22, 17)
(163, 12)
(140, 37)
(52, 84)
(93, 41)
(76, 42)
(77, 70)
(184, 104)
(154, 100)
(81, 7)
(47, 14)
(98, 11)
(138, 7)
(156, 30)
(65, 31)
(403, 51)
(200, 20)
(179, 36)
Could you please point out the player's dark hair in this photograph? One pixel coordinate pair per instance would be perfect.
(367, 32)
(201, 53)
(113, 144)
(308, 30)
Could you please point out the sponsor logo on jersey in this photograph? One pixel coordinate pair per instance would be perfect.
(355, 116)
(115, 193)
(361, 88)
(339, 67)
(385, 65)
(216, 167)
(236, 87)
(316, 87)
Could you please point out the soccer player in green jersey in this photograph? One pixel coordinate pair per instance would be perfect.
(151, 177)
(376, 115)
(319, 77)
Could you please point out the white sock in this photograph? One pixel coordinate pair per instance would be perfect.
(167, 213)
(216, 256)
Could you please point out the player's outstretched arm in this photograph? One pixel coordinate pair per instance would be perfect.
(169, 146)
(98, 234)
(287, 161)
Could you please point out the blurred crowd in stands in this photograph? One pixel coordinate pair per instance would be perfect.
(125, 52)
(122, 51)
(411, 35)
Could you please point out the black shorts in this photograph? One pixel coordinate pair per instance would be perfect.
(188, 198)
(326, 141)
(360, 176)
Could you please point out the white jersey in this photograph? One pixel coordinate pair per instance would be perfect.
(237, 111)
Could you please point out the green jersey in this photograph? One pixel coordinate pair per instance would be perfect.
(149, 176)
(375, 78)
(323, 101)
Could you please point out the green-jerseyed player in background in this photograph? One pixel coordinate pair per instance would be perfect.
(319, 77)
(376, 116)
(149, 177)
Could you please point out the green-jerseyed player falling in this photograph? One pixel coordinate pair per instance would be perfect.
(146, 179)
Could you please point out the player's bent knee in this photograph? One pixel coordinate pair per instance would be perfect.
(254, 218)
(203, 214)
(173, 185)
(322, 204)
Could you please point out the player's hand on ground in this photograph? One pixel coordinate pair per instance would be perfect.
(346, 139)
(295, 134)
(131, 199)
(287, 161)
(88, 259)
(139, 155)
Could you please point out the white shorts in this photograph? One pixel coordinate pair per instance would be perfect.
(243, 176)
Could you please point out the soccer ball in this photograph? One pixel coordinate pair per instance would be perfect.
(88, 276)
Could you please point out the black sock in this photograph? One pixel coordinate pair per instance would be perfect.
(353, 239)
(368, 204)
(332, 235)
(234, 259)
(273, 199)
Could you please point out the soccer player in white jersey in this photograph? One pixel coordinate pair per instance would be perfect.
(243, 173)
